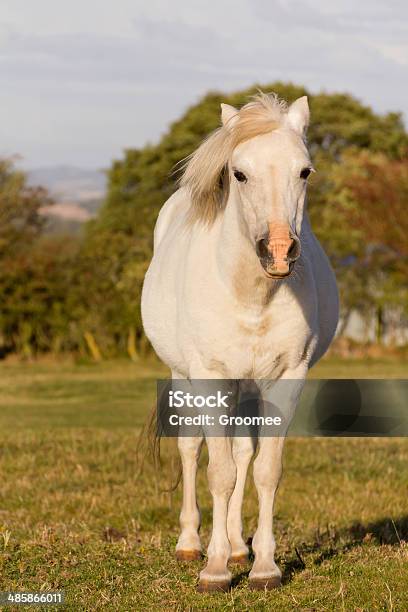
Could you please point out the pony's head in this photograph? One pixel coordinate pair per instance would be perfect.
(258, 161)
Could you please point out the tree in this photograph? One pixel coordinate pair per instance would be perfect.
(20, 219)
(35, 272)
(365, 227)
(37, 291)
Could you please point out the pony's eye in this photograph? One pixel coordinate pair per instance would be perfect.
(304, 173)
(240, 176)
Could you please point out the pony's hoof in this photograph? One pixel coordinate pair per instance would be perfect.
(213, 586)
(260, 584)
(239, 559)
(188, 555)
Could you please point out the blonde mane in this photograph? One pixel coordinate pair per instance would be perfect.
(205, 171)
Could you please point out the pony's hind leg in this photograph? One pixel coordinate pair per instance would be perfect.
(189, 546)
(242, 450)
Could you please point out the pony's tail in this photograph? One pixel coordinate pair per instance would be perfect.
(149, 444)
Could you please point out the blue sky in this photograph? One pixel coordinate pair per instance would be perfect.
(83, 80)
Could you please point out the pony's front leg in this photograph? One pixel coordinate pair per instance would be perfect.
(267, 471)
(221, 479)
(242, 450)
(282, 396)
(188, 546)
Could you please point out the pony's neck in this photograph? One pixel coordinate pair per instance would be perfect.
(237, 260)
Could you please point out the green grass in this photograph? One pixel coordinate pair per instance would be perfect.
(77, 515)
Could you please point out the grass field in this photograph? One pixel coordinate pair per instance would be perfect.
(76, 515)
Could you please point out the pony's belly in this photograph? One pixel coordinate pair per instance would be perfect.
(159, 319)
(250, 365)
(254, 357)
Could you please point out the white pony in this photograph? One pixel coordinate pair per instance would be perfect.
(239, 288)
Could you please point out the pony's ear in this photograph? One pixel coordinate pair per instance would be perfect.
(229, 115)
(298, 115)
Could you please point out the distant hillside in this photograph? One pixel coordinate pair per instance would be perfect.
(68, 183)
(78, 194)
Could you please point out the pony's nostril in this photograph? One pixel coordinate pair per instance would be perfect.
(294, 250)
(262, 248)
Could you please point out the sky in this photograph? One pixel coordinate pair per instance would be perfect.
(83, 80)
